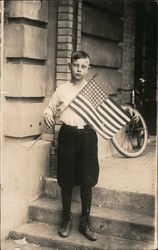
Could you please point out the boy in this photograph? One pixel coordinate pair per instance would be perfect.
(77, 147)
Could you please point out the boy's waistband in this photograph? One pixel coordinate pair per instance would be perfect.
(77, 127)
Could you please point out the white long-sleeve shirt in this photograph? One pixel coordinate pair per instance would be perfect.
(61, 99)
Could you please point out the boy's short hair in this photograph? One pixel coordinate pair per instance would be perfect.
(78, 55)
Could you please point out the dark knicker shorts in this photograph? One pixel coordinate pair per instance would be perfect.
(77, 157)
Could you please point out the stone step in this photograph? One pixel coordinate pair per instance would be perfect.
(115, 222)
(12, 245)
(109, 198)
(46, 235)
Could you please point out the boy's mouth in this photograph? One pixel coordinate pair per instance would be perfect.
(78, 75)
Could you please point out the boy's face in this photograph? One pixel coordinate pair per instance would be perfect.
(79, 68)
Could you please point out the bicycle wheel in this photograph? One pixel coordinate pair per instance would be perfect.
(132, 139)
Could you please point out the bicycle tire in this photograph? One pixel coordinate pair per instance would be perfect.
(131, 140)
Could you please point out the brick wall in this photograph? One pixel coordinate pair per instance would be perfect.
(128, 45)
(79, 22)
(68, 36)
(68, 40)
(128, 52)
(65, 34)
(64, 40)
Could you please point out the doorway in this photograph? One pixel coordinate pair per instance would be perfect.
(146, 62)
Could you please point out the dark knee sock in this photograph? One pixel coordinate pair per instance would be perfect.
(66, 194)
(86, 197)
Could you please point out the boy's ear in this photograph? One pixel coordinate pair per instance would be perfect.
(69, 66)
(89, 67)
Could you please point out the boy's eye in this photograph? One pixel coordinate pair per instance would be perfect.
(75, 65)
(82, 66)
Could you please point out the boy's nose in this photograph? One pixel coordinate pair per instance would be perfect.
(79, 68)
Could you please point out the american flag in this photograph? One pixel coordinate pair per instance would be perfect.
(99, 110)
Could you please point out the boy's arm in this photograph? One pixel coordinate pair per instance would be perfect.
(50, 110)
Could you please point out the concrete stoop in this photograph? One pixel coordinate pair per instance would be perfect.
(108, 198)
(12, 245)
(46, 235)
(119, 224)
(115, 222)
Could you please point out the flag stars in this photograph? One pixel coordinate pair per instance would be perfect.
(94, 93)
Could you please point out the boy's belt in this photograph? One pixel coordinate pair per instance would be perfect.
(78, 127)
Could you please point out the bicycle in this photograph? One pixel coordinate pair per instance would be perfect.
(132, 139)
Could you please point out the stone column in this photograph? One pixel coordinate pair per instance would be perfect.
(24, 87)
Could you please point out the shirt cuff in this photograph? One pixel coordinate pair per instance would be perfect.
(48, 111)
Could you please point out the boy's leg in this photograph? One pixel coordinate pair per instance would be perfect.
(65, 229)
(86, 197)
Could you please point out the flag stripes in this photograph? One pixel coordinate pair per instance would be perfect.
(93, 116)
(113, 114)
(86, 117)
(102, 120)
(120, 111)
(92, 124)
(100, 111)
(111, 120)
(108, 118)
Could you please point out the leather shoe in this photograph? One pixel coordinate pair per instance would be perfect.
(66, 227)
(86, 230)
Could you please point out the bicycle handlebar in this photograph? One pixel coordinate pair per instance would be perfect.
(124, 90)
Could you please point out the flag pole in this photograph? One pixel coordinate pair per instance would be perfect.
(46, 128)
(44, 131)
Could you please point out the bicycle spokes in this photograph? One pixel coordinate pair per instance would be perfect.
(132, 139)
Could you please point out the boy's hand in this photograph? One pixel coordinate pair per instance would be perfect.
(134, 116)
(49, 120)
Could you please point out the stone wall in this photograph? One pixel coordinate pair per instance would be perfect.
(25, 85)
